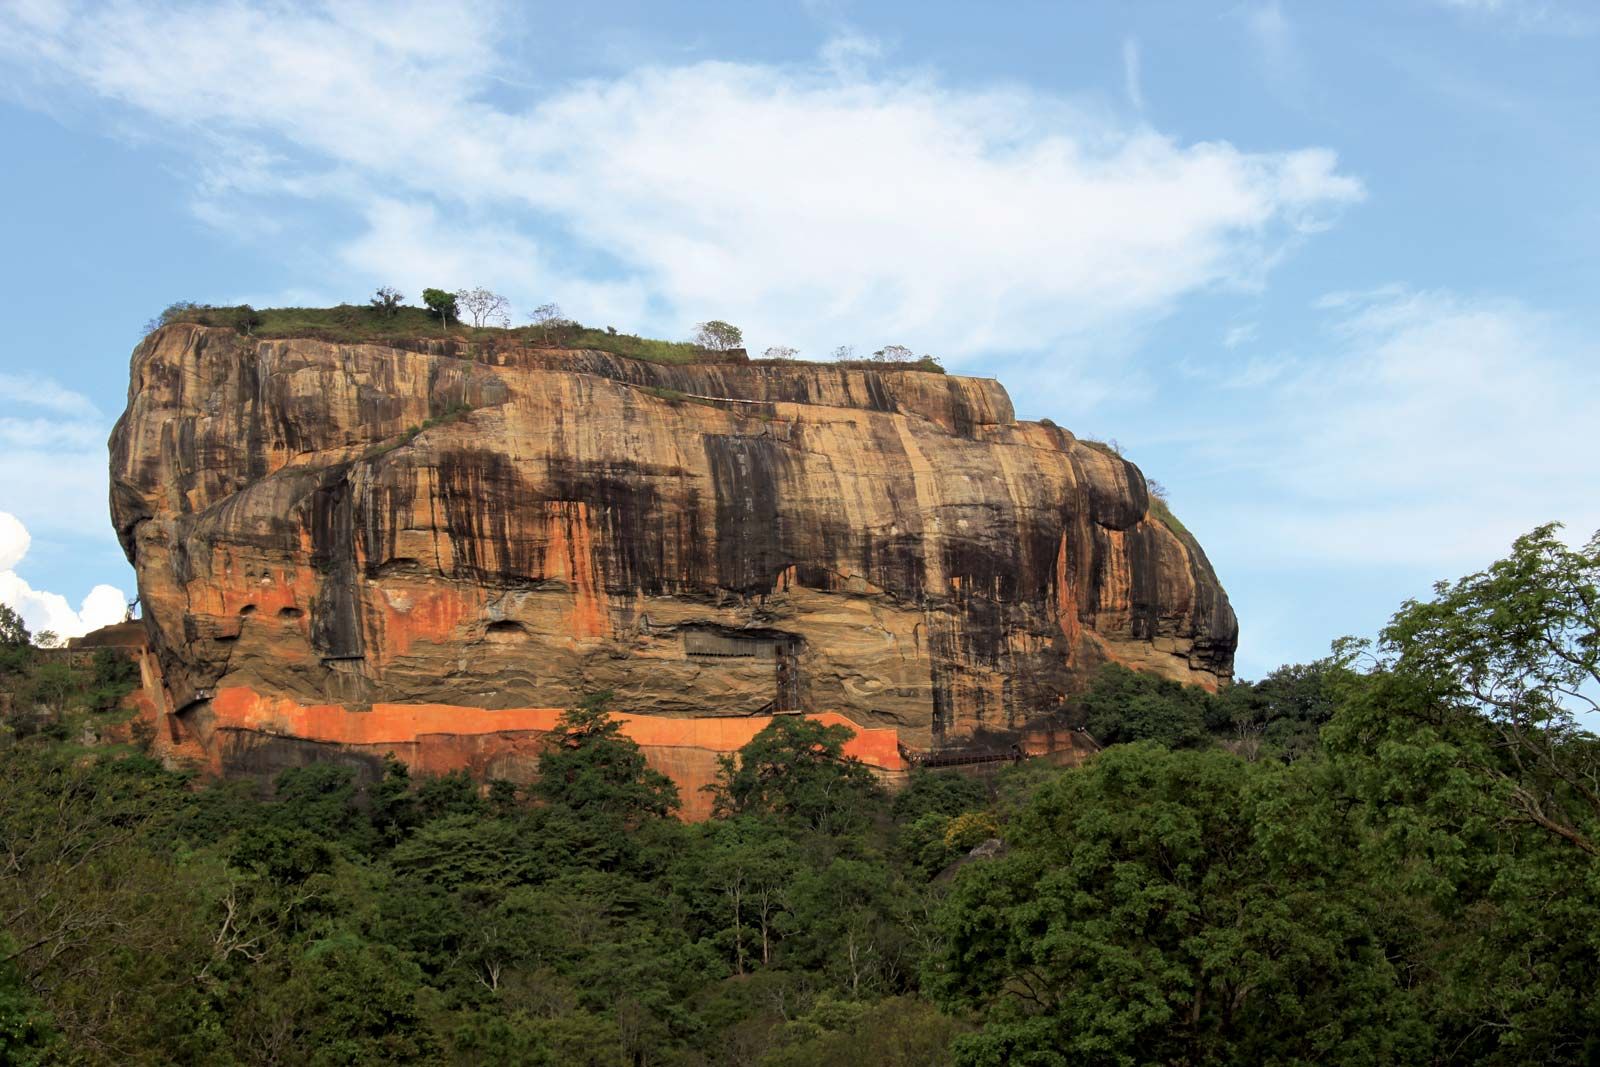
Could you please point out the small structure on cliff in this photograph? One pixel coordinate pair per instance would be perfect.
(326, 535)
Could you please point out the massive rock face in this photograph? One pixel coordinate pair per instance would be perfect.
(349, 528)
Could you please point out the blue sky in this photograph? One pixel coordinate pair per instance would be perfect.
(1326, 271)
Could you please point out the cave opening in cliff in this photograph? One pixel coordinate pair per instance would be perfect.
(712, 643)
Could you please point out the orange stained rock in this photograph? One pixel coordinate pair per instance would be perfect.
(442, 737)
(1066, 597)
(571, 555)
(884, 504)
(425, 613)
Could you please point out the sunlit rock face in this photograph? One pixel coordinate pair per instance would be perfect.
(340, 527)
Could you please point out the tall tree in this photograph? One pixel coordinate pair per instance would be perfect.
(718, 336)
(442, 304)
(796, 769)
(591, 767)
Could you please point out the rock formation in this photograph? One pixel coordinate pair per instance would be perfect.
(350, 529)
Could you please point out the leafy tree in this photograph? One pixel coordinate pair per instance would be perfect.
(16, 643)
(27, 1037)
(387, 301)
(321, 799)
(392, 804)
(112, 677)
(1519, 646)
(1124, 705)
(1475, 781)
(894, 354)
(1280, 715)
(752, 868)
(1167, 907)
(354, 1003)
(441, 304)
(894, 1032)
(942, 793)
(795, 769)
(844, 353)
(839, 923)
(781, 352)
(590, 767)
(467, 851)
(53, 683)
(718, 336)
(173, 312)
(246, 319)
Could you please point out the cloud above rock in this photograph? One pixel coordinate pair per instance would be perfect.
(817, 202)
(42, 610)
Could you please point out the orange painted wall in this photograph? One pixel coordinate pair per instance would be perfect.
(437, 738)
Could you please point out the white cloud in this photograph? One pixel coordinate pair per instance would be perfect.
(812, 203)
(42, 610)
(14, 541)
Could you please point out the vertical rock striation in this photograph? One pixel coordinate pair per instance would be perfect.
(348, 526)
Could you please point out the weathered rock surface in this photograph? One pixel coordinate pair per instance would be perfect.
(892, 545)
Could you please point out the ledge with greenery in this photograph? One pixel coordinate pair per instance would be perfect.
(379, 323)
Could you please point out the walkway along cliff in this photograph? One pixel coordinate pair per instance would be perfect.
(428, 548)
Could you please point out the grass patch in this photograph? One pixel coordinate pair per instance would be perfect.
(409, 434)
(673, 396)
(1162, 511)
(1107, 448)
(927, 364)
(360, 324)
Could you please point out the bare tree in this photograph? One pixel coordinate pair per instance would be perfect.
(844, 353)
(546, 316)
(718, 336)
(485, 306)
(781, 352)
(894, 354)
(387, 301)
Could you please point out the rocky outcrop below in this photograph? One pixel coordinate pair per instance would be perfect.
(349, 528)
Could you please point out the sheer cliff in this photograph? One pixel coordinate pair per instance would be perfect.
(324, 533)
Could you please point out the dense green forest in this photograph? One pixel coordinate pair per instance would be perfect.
(1385, 857)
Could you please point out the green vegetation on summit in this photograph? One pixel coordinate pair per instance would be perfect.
(386, 319)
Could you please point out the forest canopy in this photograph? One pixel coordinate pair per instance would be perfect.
(1387, 856)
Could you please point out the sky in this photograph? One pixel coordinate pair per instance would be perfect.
(1324, 271)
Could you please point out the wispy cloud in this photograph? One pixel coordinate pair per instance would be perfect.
(52, 456)
(1549, 16)
(1241, 334)
(1429, 428)
(1281, 58)
(31, 390)
(1131, 81)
